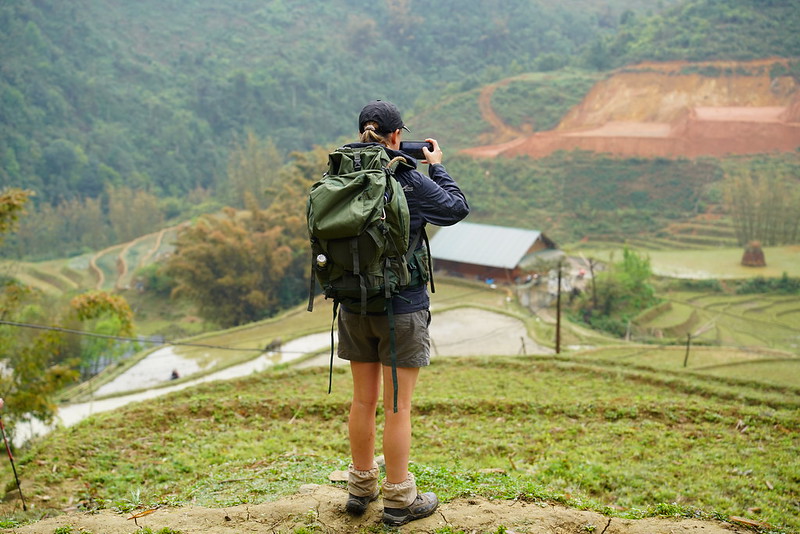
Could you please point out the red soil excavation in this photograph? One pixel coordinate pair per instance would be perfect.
(658, 110)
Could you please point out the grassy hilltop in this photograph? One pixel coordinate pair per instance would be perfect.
(626, 430)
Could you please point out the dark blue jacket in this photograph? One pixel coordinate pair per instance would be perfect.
(434, 199)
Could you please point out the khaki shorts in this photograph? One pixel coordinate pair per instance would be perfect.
(365, 338)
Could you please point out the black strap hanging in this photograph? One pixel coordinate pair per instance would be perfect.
(312, 285)
(392, 350)
(330, 369)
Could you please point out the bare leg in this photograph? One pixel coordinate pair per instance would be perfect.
(397, 430)
(366, 391)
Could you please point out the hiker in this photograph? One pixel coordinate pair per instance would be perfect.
(364, 338)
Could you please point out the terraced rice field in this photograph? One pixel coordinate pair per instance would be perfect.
(740, 321)
(769, 368)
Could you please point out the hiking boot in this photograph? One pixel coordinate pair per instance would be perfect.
(362, 489)
(358, 505)
(423, 506)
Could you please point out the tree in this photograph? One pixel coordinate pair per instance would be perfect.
(44, 360)
(38, 362)
(101, 313)
(619, 294)
(764, 204)
(133, 213)
(12, 204)
(244, 266)
(231, 266)
(32, 356)
(73, 226)
(253, 169)
(289, 207)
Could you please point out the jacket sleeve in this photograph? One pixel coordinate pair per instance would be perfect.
(441, 201)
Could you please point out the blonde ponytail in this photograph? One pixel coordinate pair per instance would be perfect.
(371, 135)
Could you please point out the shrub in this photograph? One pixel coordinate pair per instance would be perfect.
(783, 285)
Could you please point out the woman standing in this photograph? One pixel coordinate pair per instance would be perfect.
(364, 339)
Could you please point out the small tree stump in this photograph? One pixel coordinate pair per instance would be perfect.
(753, 255)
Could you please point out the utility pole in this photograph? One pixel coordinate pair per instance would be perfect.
(558, 312)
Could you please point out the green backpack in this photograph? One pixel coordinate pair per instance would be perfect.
(358, 223)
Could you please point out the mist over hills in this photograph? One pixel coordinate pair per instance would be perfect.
(151, 94)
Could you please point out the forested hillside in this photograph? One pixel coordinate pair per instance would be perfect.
(149, 94)
(699, 30)
(114, 112)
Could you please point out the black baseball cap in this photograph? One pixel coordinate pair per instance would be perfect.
(384, 113)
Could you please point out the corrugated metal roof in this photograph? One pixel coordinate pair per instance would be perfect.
(482, 244)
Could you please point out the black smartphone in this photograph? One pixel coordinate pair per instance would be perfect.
(414, 148)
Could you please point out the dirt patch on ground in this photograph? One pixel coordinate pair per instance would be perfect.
(322, 507)
(657, 110)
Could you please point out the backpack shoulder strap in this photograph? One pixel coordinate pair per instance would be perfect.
(430, 258)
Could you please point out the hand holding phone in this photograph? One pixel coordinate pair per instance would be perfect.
(414, 148)
(427, 151)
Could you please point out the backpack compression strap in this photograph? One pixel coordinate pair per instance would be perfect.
(392, 339)
(390, 316)
(330, 370)
(430, 258)
(357, 272)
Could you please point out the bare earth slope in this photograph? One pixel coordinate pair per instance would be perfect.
(674, 110)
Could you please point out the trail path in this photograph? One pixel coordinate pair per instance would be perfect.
(122, 265)
(156, 245)
(101, 276)
(502, 131)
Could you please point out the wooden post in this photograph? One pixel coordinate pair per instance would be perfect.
(558, 312)
(688, 346)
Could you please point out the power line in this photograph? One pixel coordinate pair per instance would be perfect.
(127, 339)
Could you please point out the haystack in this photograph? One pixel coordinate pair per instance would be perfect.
(754, 255)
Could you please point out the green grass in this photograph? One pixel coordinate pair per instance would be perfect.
(622, 429)
(541, 100)
(455, 121)
(588, 432)
(775, 370)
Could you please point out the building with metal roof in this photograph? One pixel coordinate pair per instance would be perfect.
(484, 251)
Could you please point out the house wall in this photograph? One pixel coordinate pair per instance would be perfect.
(537, 246)
(480, 272)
